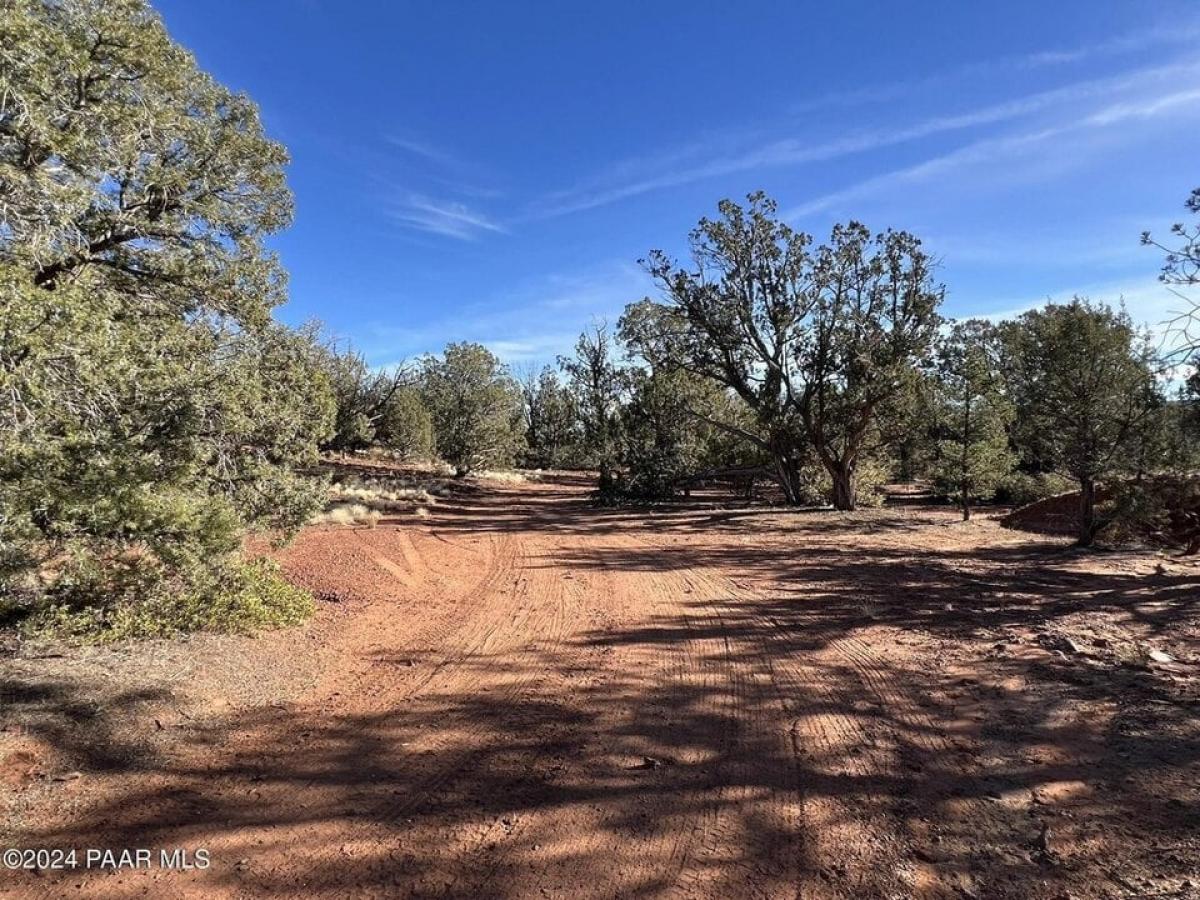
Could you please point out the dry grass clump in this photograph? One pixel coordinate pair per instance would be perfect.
(347, 514)
(364, 500)
(509, 476)
(397, 500)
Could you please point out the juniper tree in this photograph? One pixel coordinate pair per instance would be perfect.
(814, 341)
(662, 442)
(364, 399)
(974, 414)
(150, 409)
(1082, 379)
(404, 426)
(597, 383)
(475, 407)
(551, 419)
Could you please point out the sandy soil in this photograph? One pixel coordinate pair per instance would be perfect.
(522, 696)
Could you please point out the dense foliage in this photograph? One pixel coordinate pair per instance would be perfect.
(1083, 383)
(553, 432)
(475, 407)
(150, 409)
(816, 341)
(375, 408)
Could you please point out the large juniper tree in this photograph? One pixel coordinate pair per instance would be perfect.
(1082, 379)
(815, 341)
(149, 407)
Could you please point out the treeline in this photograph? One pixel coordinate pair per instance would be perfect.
(153, 413)
(831, 368)
(827, 395)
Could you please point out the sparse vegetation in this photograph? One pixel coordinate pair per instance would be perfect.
(974, 455)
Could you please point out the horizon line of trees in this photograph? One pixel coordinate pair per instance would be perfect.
(827, 368)
(153, 412)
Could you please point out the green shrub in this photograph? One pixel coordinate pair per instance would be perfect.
(1020, 488)
(870, 476)
(237, 596)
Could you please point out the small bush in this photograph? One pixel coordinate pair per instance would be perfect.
(869, 478)
(1020, 488)
(239, 596)
(507, 476)
(347, 514)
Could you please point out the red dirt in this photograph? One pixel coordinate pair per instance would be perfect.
(523, 696)
(1052, 515)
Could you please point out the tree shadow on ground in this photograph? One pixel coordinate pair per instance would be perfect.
(767, 732)
(467, 794)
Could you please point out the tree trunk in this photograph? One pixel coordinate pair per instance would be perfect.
(966, 504)
(1087, 511)
(843, 486)
(789, 479)
(782, 447)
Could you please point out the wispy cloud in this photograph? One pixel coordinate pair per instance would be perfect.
(425, 151)
(1179, 33)
(534, 321)
(539, 348)
(1007, 146)
(426, 170)
(443, 217)
(669, 172)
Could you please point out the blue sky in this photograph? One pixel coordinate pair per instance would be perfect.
(493, 171)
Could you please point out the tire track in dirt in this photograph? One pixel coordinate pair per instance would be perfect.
(826, 742)
(527, 641)
(700, 803)
(476, 624)
(476, 635)
(521, 848)
(482, 720)
(765, 812)
(610, 808)
(899, 731)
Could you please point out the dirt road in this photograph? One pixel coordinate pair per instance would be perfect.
(522, 696)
